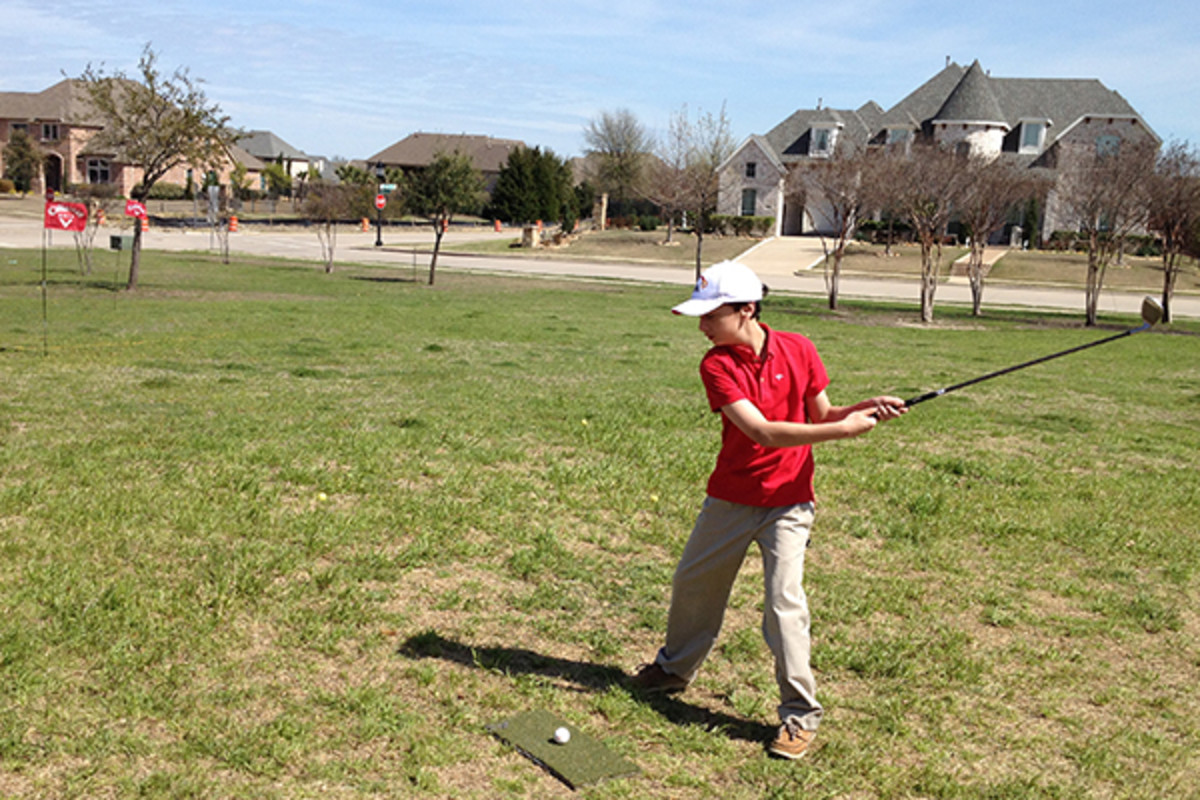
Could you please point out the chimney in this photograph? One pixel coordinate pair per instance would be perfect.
(947, 61)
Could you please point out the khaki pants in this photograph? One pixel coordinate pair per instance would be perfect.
(700, 591)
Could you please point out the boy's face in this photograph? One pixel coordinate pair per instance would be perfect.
(726, 325)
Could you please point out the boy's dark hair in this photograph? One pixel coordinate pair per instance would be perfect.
(757, 304)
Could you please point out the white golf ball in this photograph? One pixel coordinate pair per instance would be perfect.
(562, 735)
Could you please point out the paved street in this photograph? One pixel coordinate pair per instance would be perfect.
(776, 261)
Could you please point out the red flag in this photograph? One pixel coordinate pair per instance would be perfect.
(135, 209)
(66, 216)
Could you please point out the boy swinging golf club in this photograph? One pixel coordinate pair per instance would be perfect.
(769, 388)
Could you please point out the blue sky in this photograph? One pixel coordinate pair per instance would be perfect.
(350, 78)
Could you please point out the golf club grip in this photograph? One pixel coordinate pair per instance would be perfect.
(922, 398)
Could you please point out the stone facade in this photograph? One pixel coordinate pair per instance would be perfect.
(752, 180)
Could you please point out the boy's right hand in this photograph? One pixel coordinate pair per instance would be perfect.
(859, 422)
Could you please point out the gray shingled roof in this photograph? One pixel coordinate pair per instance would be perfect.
(269, 147)
(972, 101)
(789, 138)
(65, 101)
(1062, 101)
(419, 149)
(925, 101)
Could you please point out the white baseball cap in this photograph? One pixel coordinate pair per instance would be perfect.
(725, 282)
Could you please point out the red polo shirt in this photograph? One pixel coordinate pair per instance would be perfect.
(778, 384)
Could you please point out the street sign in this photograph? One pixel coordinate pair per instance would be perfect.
(380, 201)
(387, 188)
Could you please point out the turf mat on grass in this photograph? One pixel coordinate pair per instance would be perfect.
(581, 761)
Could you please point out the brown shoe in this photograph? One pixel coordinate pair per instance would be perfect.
(653, 679)
(792, 741)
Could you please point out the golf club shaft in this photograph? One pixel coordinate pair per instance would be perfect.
(939, 392)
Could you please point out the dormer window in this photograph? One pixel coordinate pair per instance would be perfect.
(822, 142)
(751, 169)
(1033, 136)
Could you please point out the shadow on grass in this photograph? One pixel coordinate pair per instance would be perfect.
(381, 279)
(588, 677)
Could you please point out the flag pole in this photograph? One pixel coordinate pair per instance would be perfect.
(45, 315)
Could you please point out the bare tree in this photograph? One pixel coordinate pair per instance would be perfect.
(994, 190)
(930, 183)
(325, 204)
(666, 183)
(100, 199)
(157, 124)
(840, 184)
(1174, 210)
(619, 144)
(711, 144)
(1104, 193)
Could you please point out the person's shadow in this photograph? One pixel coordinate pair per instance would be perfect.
(587, 677)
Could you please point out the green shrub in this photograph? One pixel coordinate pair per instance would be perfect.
(1148, 246)
(737, 225)
(167, 191)
(648, 223)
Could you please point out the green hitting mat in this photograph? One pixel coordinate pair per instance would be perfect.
(581, 761)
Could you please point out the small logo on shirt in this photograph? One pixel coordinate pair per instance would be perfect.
(779, 377)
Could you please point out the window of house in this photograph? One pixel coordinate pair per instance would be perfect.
(98, 171)
(1031, 136)
(749, 202)
(49, 131)
(1108, 145)
(751, 169)
(820, 140)
(20, 126)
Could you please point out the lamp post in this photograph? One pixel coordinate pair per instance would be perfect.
(379, 174)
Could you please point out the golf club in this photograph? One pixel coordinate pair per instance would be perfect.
(1151, 313)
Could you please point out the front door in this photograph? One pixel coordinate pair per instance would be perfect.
(53, 171)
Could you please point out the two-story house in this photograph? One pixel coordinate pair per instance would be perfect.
(61, 122)
(1032, 121)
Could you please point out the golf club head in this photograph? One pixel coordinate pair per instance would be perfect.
(1152, 311)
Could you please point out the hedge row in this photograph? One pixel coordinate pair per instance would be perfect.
(728, 224)
(1135, 245)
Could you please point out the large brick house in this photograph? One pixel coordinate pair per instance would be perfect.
(1032, 121)
(61, 123)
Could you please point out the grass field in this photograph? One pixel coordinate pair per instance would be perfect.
(1030, 267)
(624, 246)
(271, 533)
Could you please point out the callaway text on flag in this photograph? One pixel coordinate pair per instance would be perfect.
(66, 216)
